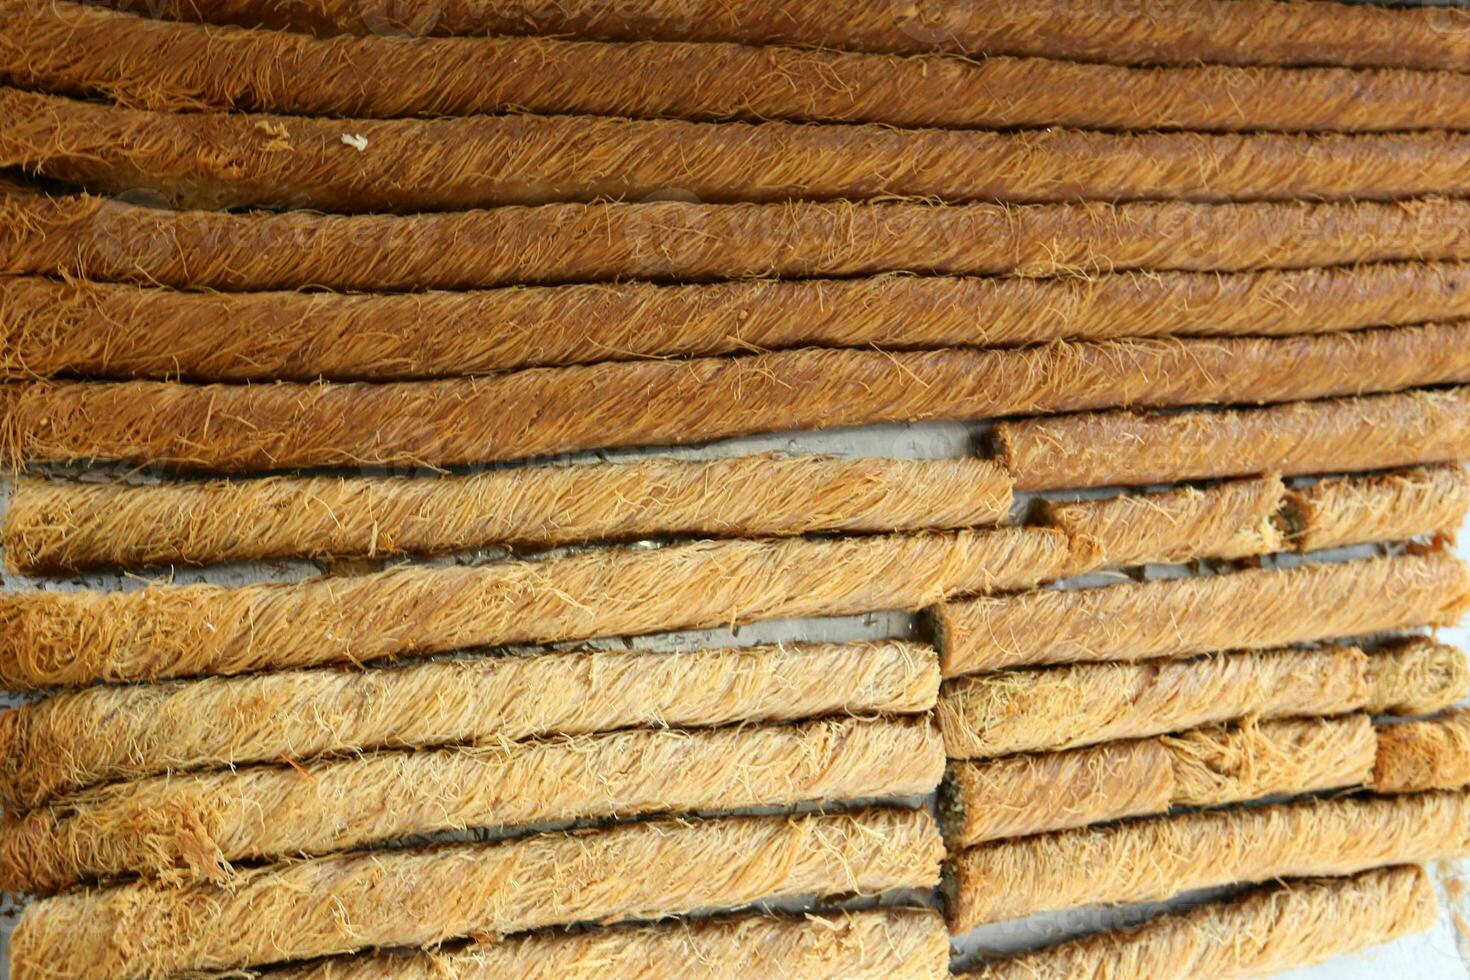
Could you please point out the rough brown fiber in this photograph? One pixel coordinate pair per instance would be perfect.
(72, 638)
(92, 237)
(73, 327)
(333, 905)
(1222, 764)
(998, 714)
(1231, 520)
(1282, 927)
(544, 411)
(1255, 32)
(1420, 755)
(227, 160)
(73, 740)
(1016, 796)
(84, 51)
(901, 944)
(1254, 608)
(1019, 795)
(1120, 448)
(1416, 676)
(1392, 507)
(55, 525)
(188, 828)
(1158, 857)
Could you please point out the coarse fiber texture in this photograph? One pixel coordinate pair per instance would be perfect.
(99, 734)
(1231, 520)
(64, 525)
(77, 328)
(73, 638)
(1020, 795)
(879, 944)
(1253, 608)
(1429, 754)
(1281, 927)
(87, 52)
(93, 237)
(419, 897)
(181, 828)
(1229, 764)
(1346, 434)
(545, 411)
(997, 714)
(1415, 675)
(1188, 32)
(1391, 507)
(229, 160)
(1156, 858)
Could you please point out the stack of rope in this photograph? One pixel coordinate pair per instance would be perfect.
(317, 282)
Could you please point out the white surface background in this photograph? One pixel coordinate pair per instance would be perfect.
(1441, 954)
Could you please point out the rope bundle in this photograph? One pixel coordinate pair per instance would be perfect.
(1138, 346)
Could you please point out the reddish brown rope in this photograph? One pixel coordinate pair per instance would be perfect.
(543, 411)
(1180, 32)
(91, 237)
(51, 327)
(226, 160)
(84, 51)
